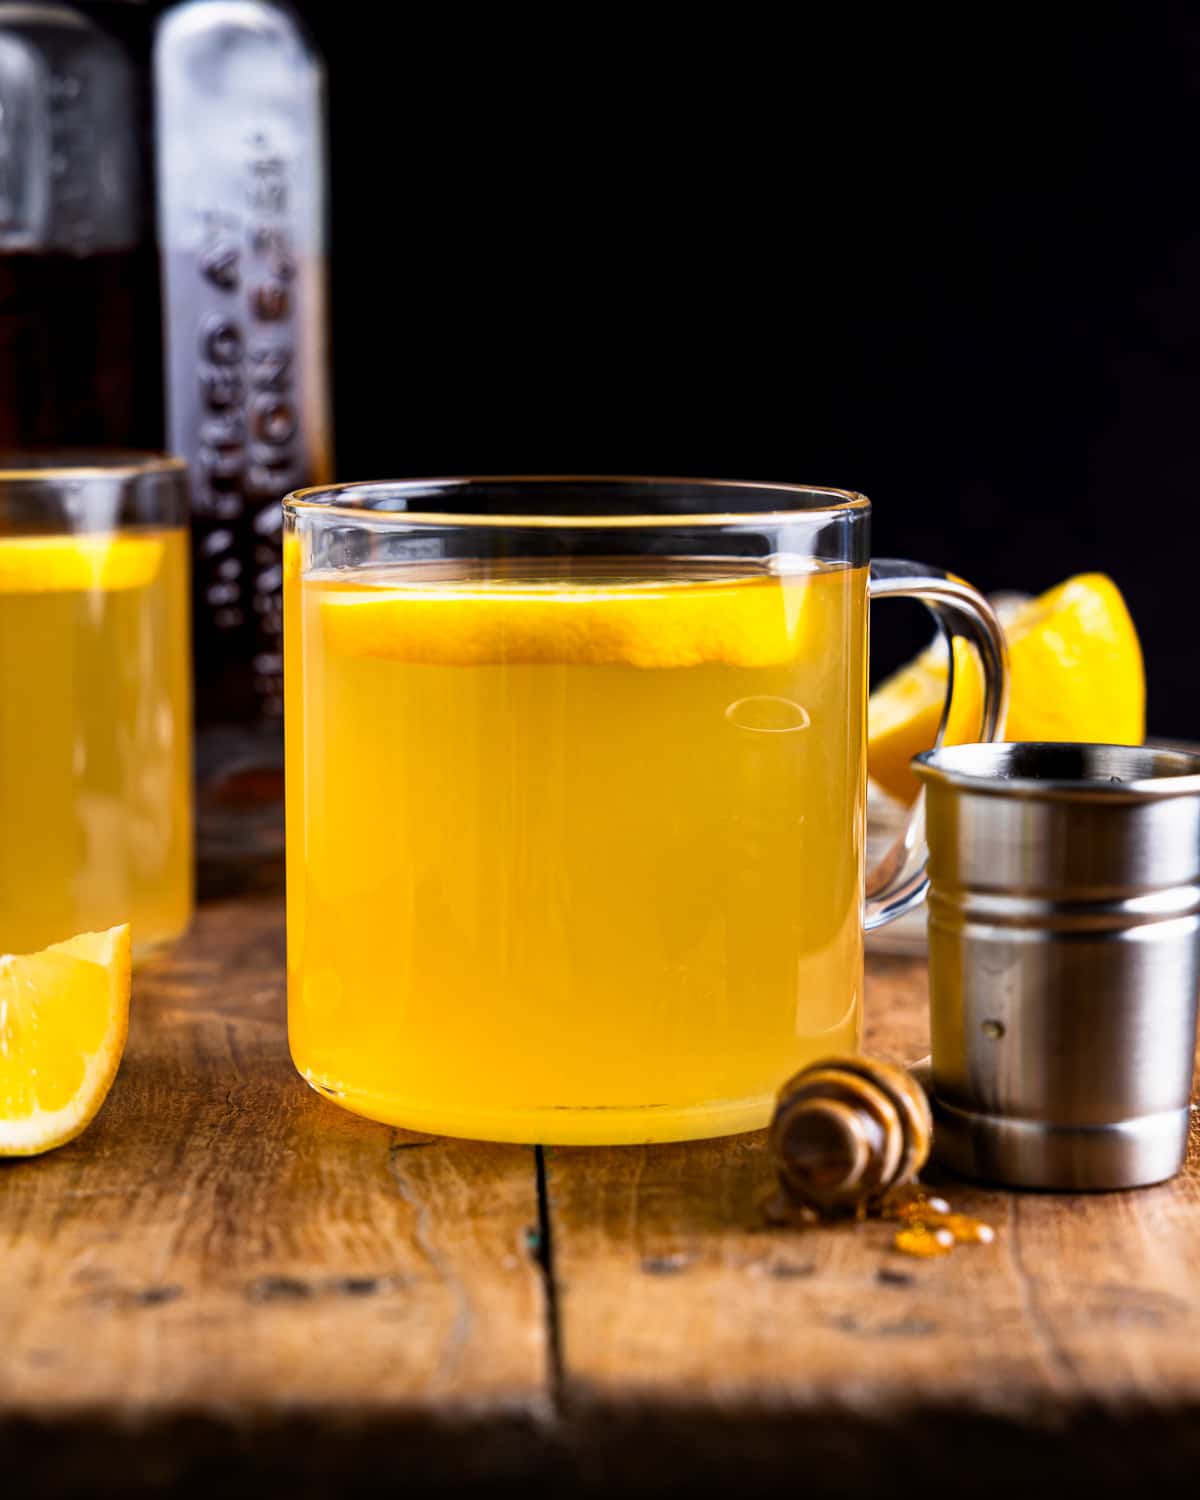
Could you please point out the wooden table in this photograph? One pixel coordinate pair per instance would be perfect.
(229, 1282)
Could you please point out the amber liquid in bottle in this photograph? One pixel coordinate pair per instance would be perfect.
(79, 337)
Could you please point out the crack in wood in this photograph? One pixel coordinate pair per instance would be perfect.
(542, 1251)
(126, 1297)
(278, 1289)
(665, 1265)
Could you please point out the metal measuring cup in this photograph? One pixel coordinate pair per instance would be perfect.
(1064, 959)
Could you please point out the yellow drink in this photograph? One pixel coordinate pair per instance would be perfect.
(95, 793)
(575, 860)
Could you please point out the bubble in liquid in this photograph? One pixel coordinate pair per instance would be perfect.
(765, 714)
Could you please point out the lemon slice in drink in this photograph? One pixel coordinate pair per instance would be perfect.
(64, 1015)
(1076, 674)
(59, 564)
(751, 622)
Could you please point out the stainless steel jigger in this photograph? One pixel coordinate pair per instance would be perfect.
(1064, 958)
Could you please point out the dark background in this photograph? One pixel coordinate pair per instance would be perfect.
(949, 260)
(943, 255)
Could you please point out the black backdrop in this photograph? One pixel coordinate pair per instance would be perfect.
(949, 260)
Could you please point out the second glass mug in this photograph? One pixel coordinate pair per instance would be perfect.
(95, 710)
(576, 785)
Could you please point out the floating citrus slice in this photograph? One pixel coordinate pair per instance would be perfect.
(59, 564)
(64, 1014)
(745, 623)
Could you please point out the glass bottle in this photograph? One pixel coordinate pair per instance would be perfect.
(79, 318)
(239, 105)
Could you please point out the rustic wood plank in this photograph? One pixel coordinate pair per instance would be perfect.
(223, 1245)
(229, 1282)
(676, 1304)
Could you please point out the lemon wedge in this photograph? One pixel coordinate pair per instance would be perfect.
(60, 564)
(1076, 674)
(745, 623)
(64, 1015)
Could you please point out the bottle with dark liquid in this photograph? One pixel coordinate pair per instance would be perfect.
(79, 353)
(239, 103)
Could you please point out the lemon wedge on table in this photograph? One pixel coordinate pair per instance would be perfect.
(745, 623)
(1076, 674)
(64, 1016)
(59, 564)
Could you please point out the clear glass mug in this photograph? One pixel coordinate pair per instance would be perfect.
(95, 698)
(576, 776)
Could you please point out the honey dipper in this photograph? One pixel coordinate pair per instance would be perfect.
(846, 1132)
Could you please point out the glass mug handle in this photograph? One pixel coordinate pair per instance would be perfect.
(899, 881)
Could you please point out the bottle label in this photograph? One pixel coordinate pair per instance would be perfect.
(241, 204)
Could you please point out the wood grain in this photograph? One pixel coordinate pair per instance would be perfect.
(225, 1245)
(676, 1305)
(227, 1283)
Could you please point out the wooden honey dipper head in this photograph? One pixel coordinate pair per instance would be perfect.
(846, 1131)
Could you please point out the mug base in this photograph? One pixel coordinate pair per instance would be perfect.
(560, 1125)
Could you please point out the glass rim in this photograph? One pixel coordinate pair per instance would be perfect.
(60, 464)
(338, 499)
